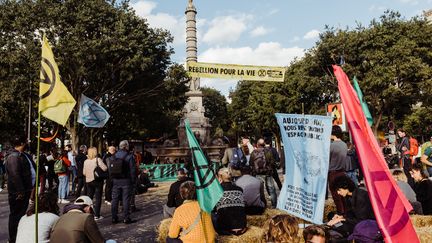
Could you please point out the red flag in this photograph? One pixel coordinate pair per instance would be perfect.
(389, 203)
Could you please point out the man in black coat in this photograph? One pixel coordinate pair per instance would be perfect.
(21, 172)
(79, 159)
(174, 197)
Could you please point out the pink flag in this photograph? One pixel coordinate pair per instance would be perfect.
(389, 203)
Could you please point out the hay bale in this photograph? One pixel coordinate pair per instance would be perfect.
(256, 220)
(253, 234)
(424, 234)
(329, 206)
(421, 220)
(163, 229)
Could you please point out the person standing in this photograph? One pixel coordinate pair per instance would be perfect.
(108, 181)
(94, 185)
(275, 175)
(122, 172)
(73, 167)
(405, 161)
(79, 159)
(338, 157)
(63, 187)
(262, 163)
(21, 173)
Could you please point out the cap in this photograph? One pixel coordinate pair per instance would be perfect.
(84, 200)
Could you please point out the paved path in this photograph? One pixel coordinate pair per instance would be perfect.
(144, 230)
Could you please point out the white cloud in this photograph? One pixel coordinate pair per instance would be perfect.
(143, 8)
(175, 25)
(266, 54)
(311, 35)
(412, 2)
(260, 31)
(375, 8)
(226, 29)
(295, 39)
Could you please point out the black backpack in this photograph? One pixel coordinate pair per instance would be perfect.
(263, 161)
(238, 160)
(117, 167)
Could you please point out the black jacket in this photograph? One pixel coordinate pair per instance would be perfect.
(79, 159)
(359, 207)
(19, 173)
(174, 197)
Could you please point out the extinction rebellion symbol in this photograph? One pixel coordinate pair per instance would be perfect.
(47, 79)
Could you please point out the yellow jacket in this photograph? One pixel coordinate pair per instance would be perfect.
(184, 216)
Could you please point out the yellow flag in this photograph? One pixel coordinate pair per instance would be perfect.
(55, 101)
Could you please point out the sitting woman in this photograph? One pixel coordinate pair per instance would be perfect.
(189, 223)
(48, 216)
(358, 206)
(283, 228)
(422, 188)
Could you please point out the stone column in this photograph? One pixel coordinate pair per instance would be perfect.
(194, 109)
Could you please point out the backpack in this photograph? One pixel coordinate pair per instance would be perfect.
(262, 163)
(238, 160)
(59, 167)
(117, 167)
(413, 146)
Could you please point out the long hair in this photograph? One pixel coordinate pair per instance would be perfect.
(283, 228)
(47, 203)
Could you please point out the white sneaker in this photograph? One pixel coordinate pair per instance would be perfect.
(59, 201)
(98, 218)
(107, 202)
(65, 201)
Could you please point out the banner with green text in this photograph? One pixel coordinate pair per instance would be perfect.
(234, 71)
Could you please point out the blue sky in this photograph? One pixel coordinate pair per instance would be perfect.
(262, 32)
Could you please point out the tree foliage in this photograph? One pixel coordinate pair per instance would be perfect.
(104, 50)
(216, 110)
(391, 59)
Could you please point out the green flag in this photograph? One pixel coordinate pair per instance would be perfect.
(209, 191)
(363, 102)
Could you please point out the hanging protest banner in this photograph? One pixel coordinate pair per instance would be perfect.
(306, 140)
(233, 71)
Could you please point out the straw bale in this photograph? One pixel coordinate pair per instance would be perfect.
(329, 206)
(421, 220)
(163, 230)
(253, 234)
(424, 234)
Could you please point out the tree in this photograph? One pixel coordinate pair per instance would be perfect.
(216, 110)
(391, 59)
(103, 50)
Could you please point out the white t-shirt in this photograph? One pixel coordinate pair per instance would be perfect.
(26, 228)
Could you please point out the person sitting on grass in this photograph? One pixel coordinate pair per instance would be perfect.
(282, 228)
(189, 223)
(230, 216)
(48, 212)
(422, 188)
(315, 234)
(359, 207)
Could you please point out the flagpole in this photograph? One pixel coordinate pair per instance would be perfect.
(37, 178)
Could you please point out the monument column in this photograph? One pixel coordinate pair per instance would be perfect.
(194, 109)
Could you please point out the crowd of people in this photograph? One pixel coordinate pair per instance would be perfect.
(248, 176)
(78, 181)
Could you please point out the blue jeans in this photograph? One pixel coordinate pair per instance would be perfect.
(352, 174)
(270, 187)
(63, 186)
(120, 189)
(73, 173)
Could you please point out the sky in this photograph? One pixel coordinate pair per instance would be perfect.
(262, 32)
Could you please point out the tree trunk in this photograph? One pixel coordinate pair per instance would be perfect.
(377, 123)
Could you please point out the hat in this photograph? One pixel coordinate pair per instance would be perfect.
(84, 200)
(366, 231)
